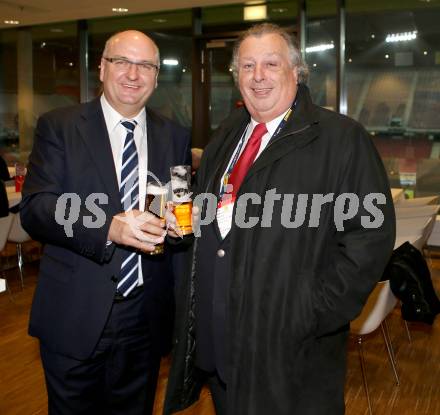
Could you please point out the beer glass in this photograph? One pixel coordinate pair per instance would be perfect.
(155, 203)
(181, 197)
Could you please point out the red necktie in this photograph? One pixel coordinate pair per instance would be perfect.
(247, 158)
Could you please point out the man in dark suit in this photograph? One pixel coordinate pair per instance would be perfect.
(103, 307)
(293, 251)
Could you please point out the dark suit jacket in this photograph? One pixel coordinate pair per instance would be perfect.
(78, 274)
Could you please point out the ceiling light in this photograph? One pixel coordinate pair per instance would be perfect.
(373, 36)
(315, 65)
(425, 52)
(183, 70)
(159, 20)
(401, 37)
(320, 48)
(387, 56)
(70, 64)
(12, 22)
(170, 62)
(255, 12)
(350, 60)
(43, 44)
(119, 10)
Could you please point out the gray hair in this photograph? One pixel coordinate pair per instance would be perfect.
(262, 29)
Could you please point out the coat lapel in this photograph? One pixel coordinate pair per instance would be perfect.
(225, 153)
(94, 133)
(300, 130)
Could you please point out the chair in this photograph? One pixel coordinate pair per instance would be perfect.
(380, 303)
(416, 211)
(5, 226)
(419, 201)
(397, 194)
(414, 230)
(18, 236)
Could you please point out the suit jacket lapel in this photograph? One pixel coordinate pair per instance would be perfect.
(231, 141)
(93, 131)
(159, 158)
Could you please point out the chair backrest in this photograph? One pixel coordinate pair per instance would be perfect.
(419, 201)
(397, 195)
(5, 226)
(379, 304)
(17, 234)
(414, 230)
(416, 211)
(412, 226)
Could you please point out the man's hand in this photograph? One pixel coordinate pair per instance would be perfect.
(196, 221)
(140, 230)
(173, 228)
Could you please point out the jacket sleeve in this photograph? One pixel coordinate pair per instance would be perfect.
(360, 251)
(44, 184)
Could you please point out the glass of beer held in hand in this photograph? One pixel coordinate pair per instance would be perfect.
(155, 203)
(181, 197)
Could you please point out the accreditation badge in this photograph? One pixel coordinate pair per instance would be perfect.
(224, 215)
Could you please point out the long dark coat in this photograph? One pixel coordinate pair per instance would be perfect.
(292, 291)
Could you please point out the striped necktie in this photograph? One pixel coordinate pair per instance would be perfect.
(129, 193)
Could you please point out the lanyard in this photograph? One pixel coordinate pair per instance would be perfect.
(240, 146)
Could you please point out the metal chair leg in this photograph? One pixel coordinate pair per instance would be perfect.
(364, 375)
(390, 350)
(408, 333)
(11, 297)
(20, 263)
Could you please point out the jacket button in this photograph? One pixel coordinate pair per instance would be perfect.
(114, 279)
(221, 253)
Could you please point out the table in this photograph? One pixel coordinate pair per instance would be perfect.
(397, 194)
(14, 198)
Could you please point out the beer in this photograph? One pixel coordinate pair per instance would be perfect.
(182, 203)
(155, 203)
(183, 213)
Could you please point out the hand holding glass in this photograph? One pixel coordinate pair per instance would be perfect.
(155, 203)
(181, 197)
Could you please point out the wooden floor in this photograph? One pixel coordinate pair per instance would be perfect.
(22, 390)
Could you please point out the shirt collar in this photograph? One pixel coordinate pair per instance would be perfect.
(271, 125)
(113, 118)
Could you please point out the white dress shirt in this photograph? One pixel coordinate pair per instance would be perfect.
(224, 218)
(117, 133)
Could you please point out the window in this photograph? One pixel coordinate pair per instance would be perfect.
(393, 85)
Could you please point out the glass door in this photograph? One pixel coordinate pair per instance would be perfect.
(223, 95)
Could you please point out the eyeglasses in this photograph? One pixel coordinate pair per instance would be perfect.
(123, 64)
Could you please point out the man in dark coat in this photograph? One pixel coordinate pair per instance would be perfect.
(276, 279)
(103, 308)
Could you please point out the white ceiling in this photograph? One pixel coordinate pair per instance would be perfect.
(30, 12)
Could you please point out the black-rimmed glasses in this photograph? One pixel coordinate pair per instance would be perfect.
(124, 64)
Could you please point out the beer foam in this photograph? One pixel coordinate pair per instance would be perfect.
(156, 190)
(182, 199)
(179, 170)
